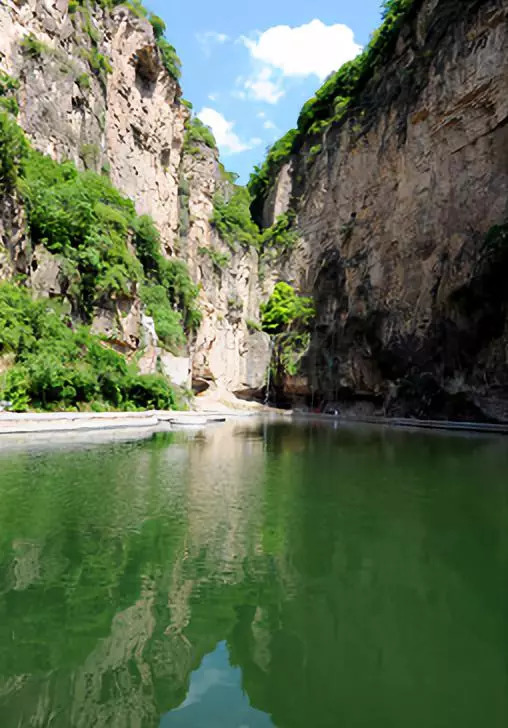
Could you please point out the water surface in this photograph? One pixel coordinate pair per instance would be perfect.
(256, 576)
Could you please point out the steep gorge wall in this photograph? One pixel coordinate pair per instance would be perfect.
(128, 121)
(394, 210)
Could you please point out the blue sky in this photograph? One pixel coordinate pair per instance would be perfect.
(247, 76)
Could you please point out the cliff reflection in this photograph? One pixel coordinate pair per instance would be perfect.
(255, 575)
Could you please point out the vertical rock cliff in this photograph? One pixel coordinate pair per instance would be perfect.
(397, 205)
(94, 90)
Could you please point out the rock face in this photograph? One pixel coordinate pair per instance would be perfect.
(226, 352)
(94, 90)
(394, 214)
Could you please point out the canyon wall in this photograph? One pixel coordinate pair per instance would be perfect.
(394, 207)
(94, 89)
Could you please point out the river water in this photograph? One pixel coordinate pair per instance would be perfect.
(255, 575)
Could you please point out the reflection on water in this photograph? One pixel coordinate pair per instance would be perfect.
(215, 698)
(256, 575)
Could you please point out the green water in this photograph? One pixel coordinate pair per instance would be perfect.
(255, 576)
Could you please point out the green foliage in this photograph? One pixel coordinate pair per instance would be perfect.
(173, 275)
(314, 151)
(8, 88)
(90, 155)
(58, 367)
(170, 59)
(158, 25)
(280, 237)
(13, 152)
(83, 81)
(286, 311)
(233, 221)
(219, 260)
(333, 99)
(168, 322)
(182, 291)
(34, 47)
(197, 133)
(263, 177)
(99, 63)
(187, 104)
(226, 176)
(81, 216)
(287, 317)
(253, 325)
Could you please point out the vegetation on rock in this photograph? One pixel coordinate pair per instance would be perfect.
(169, 56)
(287, 317)
(56, 366)
(104, 251)
(8, 88)
(233, 221)
(335, 97)
(196, 134)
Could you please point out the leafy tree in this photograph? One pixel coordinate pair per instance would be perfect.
(286, 311)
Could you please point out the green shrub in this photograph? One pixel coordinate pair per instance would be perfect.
(57, 367)
(83, 81)
(169, 57)
(287, 317)
(197, 133)
(158, 25)
(168, 322)
(182, 291)
(173, 275)
(219, 260)
(33, 47)
(8, 88)
(82, 217)
(14, 150)
(263, 177)
(286, 311)
(253, 325)
(280, 236)
(233, 221)
(99, 63)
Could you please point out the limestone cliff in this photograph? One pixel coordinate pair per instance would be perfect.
(94, 89)
(394, 206)
(226, 351)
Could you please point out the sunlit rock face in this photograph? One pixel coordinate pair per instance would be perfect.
(128, 122)
(394, 212)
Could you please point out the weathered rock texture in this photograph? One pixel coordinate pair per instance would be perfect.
(226, 351)
(394, 213)
(130, 123)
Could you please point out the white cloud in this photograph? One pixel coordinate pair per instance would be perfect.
(213, 97)
(262, 88)
(314, 48)
(210, 38)
(261, 115)
(227, 139)
(269, 124)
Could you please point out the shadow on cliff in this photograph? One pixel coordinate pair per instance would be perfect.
(362, 357)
